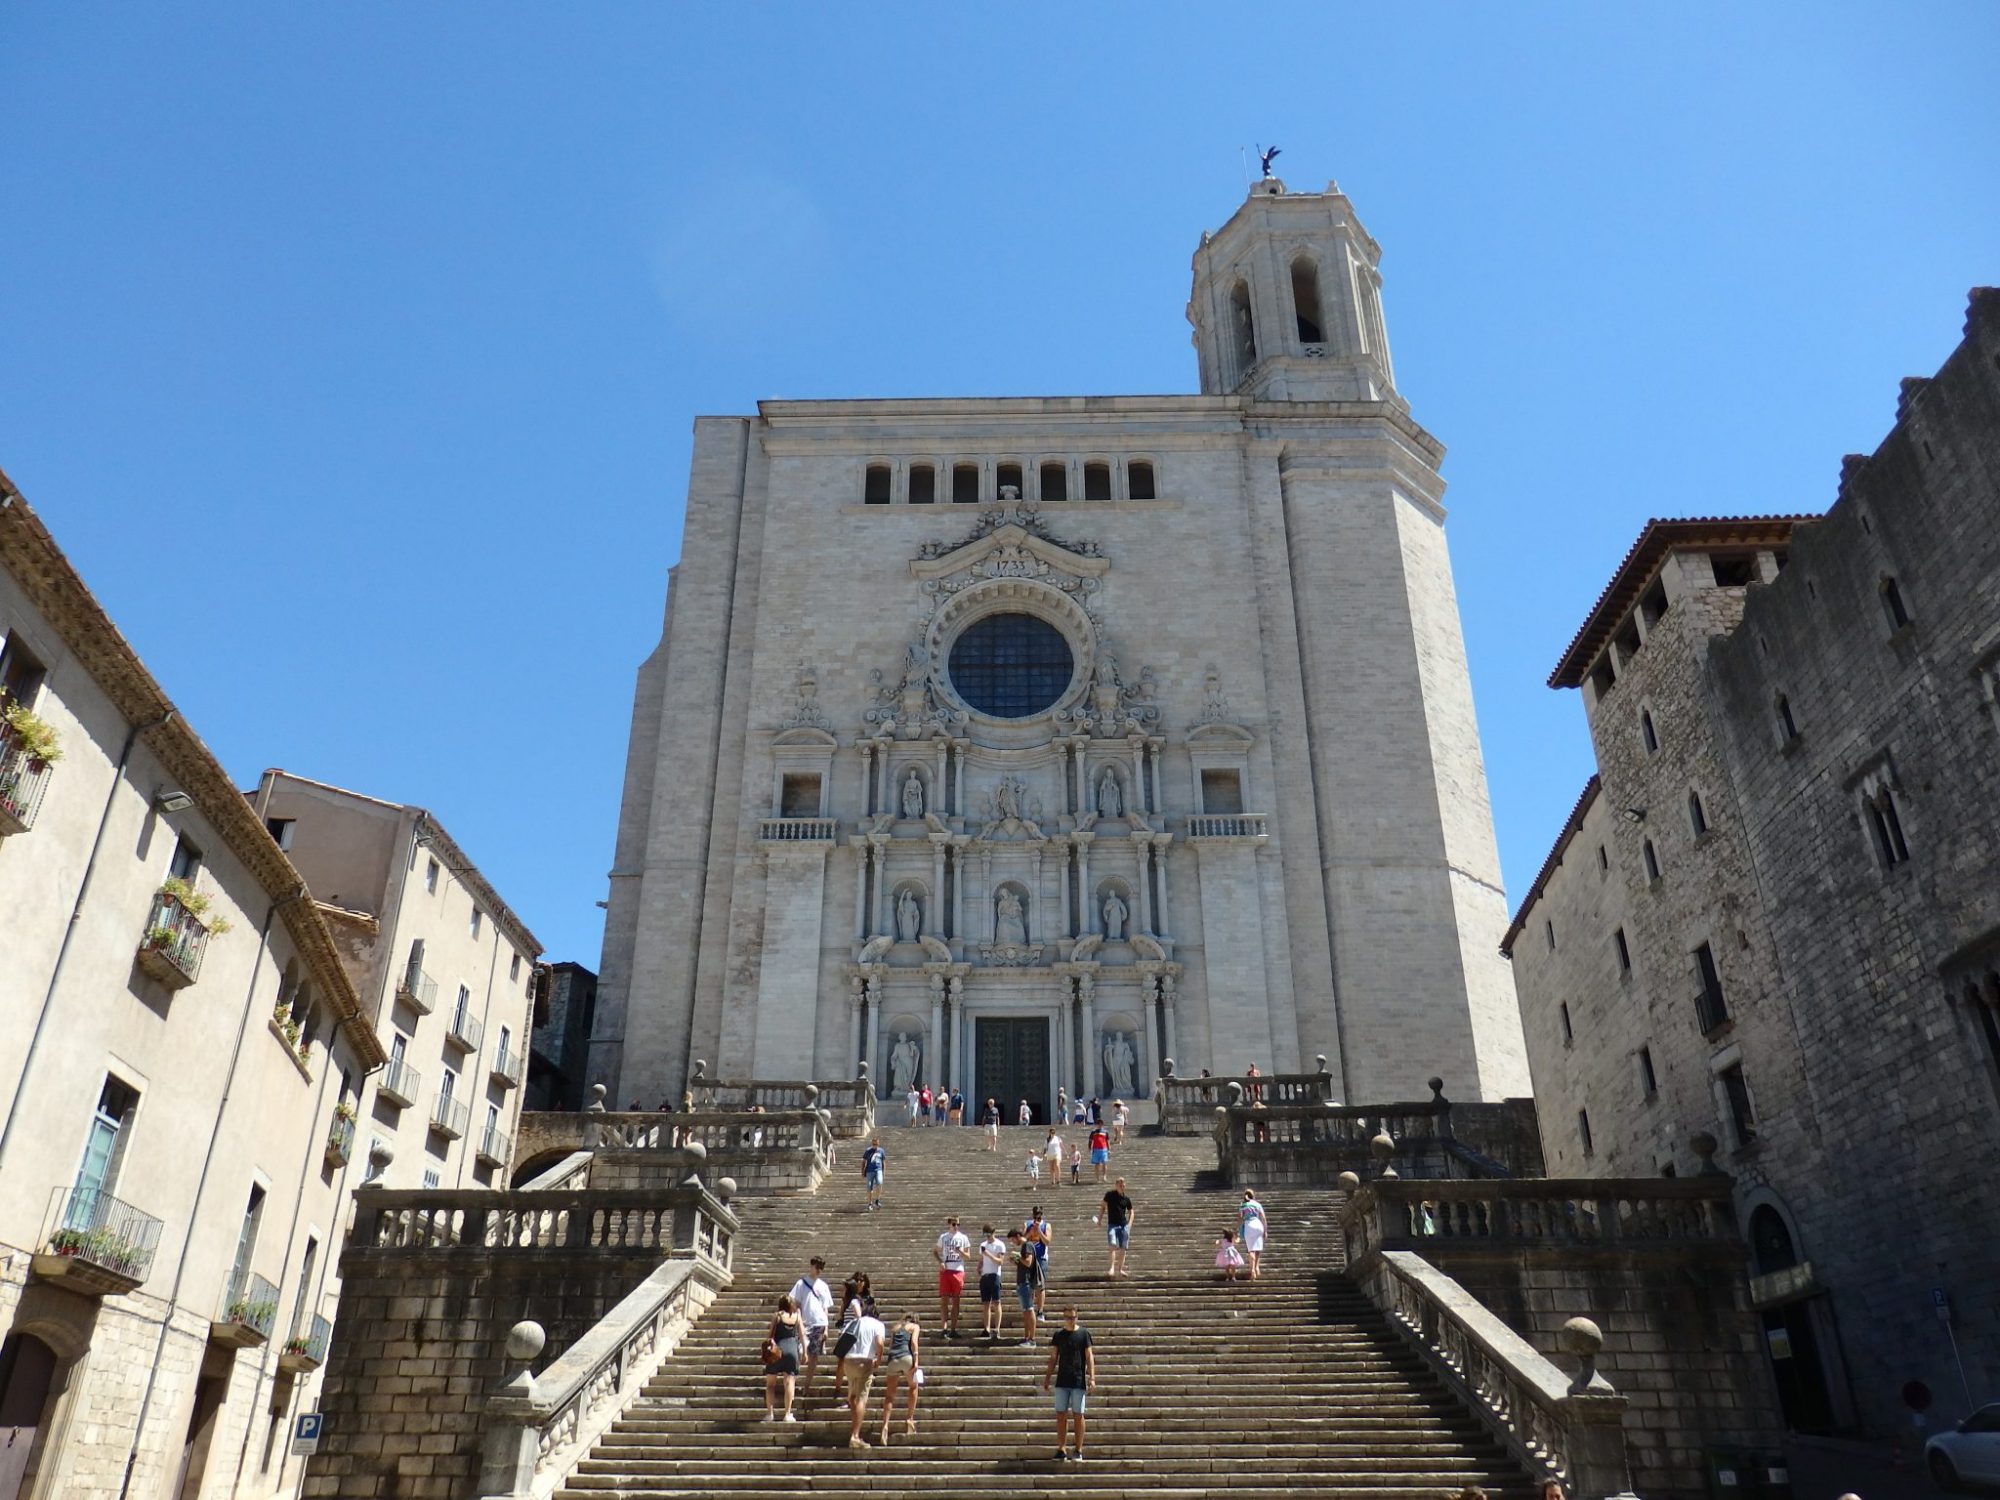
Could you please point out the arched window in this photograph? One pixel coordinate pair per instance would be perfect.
(965, 484)
(1097, 481)
(1243, 329)
(1305, 301)
(1892, 603)
(875, 491)
(1055, 481)
(1139, 483)
(923, 484)
(1008, 476)
(1771, 1247)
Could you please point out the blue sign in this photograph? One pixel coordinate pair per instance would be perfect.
(306, 1430)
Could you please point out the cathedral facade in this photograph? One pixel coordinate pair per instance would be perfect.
(1020, 744)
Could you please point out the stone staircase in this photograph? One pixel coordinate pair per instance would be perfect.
(1291, 1385)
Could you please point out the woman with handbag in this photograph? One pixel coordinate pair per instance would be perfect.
(781, 1358)
(902, 1369)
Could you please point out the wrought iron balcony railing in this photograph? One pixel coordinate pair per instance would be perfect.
(448, 1116)
(466, 1031)
(306, 1348)
(506, 1069)
(174, 942)
(95, 1243)
(249, 1312)
(495, 1146)
(23, 780)
(400, 1083)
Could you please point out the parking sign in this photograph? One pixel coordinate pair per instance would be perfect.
(306, 1429)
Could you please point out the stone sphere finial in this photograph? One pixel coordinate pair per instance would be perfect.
(700, 1070)
(812, 1095)
(1236, 1093)
(1319, 1064)
(696, 1150)
(1582, 1338)
(1166, 1067)
(1437, 1089)
(861, 1071)
(525, 1340)
(1705, 1146)
(725, 1188)
(379, 1156)
(596, 1105)
(1382, 1146)
(1350, 1182)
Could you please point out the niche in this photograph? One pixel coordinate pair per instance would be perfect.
(1116, 913)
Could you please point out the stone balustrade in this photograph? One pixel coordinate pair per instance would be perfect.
(1609, 1213)
(686, 1220)
(767, 1151)
(850, 1101)
(1305, 1145)
(1187, 1105)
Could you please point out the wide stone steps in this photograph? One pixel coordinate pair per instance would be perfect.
(1292, 1385)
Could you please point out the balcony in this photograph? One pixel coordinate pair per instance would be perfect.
(466, 1031)
(448, 1116)
(417, 990)
(305, 1351)
(248, 1314)
(496, 1147)
(24, 776)
(506, 1069)
(400, 1083)
(339, 1143)
(797, 830)
(1226, 826)
(174, 942)
(94, 1244)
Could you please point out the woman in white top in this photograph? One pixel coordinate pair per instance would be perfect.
(1052, 1155)
(1254, 1226)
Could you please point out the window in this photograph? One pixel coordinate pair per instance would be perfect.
(1736, 1094)
(186, 863)
(514, 968)
(1647, 733)
(280, 830)
(965, 484)
(1788, 728)
(1735, 572)
(1569, 1032)
(431, 877)
(1892, 603)
(1878, 804)
(448, 1086)
(799, 795)
(302, 1300)
(1711, 1008)
(875, 487)
(1244, 329)
(246, 1239)
(1055, 482)
(1603, 860)
(1305, 301)
(399, 1045)
(1221, 791)
(1623, 950)
(1652, 859)
(492, 1124)
(1097, 481)
(1604, 676)
(1649, 1081)
(1697, 814)
(1011, 666)
(506, 1039)
(923, 484)
(472, 923)
(1139, 482)
(1008, 477)
(1583, 1131)
(461, 1010)
(1549, 931)
(1982, 999)
(104, 1146)
(431, 1178)
(1653, 603)
(21, 673)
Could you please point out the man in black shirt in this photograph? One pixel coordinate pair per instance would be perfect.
(1072, 1372)
(1117, 1216)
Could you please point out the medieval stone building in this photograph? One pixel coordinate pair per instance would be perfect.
(1020, 743)
(1773, 917)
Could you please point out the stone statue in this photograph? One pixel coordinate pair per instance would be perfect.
(1110, 800)
(916, 665)
(1120, 1064)
(1007, 800)
(903, 1060)
(913, 796)
(1010, 930)
(909, 917)
(1115, 914)
(1104, 673)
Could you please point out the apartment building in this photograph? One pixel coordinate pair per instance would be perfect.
(180, 1070)
(445, 970)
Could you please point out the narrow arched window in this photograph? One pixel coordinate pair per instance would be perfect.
(1055, 482)
(1892, 603)
(1305, 301)
(1097, 481)
(1006, 477)
(1243, 329)
(875, 491)
(965, 484)
(923, 484)
(1139, 483)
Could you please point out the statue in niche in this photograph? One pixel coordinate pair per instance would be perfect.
(1120, 1064)
(913, 796)
(1007, 799)
(1010, 928)
(1110, 799)
(1115, 914)
(903, 1060)
(916, 666)
(1104, 673)
(909, 917)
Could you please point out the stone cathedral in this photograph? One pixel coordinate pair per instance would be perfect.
(1023, 743)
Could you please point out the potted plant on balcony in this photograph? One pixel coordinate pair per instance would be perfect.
(282, 1019)
(103, 1247)
(195, 903)
(36, 737)
(251, 1314)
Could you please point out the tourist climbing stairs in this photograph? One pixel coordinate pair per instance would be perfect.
(1287, 1386)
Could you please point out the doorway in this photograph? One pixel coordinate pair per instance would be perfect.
(1012, 1063)
(27, 1375)
(209, 1393)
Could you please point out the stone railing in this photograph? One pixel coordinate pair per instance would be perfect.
(686, 1221)
(1310, 1146)
(1561, 1427)
(537, 1427)
(850, 1101)
(798, 830)
(1188, 1105)
(1226, 826)
(764, 1152)
(1575, 1213)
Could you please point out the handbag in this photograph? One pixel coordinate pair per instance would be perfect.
(771, 1355)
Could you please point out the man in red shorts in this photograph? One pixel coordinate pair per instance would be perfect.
(951, 1249)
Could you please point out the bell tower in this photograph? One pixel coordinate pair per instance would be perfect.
(1287, 303)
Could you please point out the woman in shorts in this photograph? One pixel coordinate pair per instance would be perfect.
(1028, 1282)
(902, 1362)
(784, 1336)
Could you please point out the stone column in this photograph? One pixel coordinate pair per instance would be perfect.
(1086, 986)
(1163, 914)
(1142, 845)
(958, 891)
(936, 804)
(872, 990)
(854, 1023)
(961, 1068)
(934, 1061)
(1067, 929)
(1065, 1069)
(1038, 918)
(1167, 1016)
(862, 850)
(1137, 801)
(1153, 758)
(1086, 899)
(882, 918)
(934, 908)
(1081, 789)
(958, 780)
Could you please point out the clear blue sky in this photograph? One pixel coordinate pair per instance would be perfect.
(351, 351)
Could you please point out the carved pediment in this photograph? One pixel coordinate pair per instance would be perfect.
(1010, 536)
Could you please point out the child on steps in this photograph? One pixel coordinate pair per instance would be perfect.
(1228, 1259)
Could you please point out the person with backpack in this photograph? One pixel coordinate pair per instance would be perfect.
(874, 1162)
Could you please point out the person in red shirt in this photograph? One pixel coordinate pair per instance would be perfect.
(1100, 1152)
(924, 1105)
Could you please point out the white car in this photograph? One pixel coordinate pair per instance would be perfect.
(1970, 1452)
